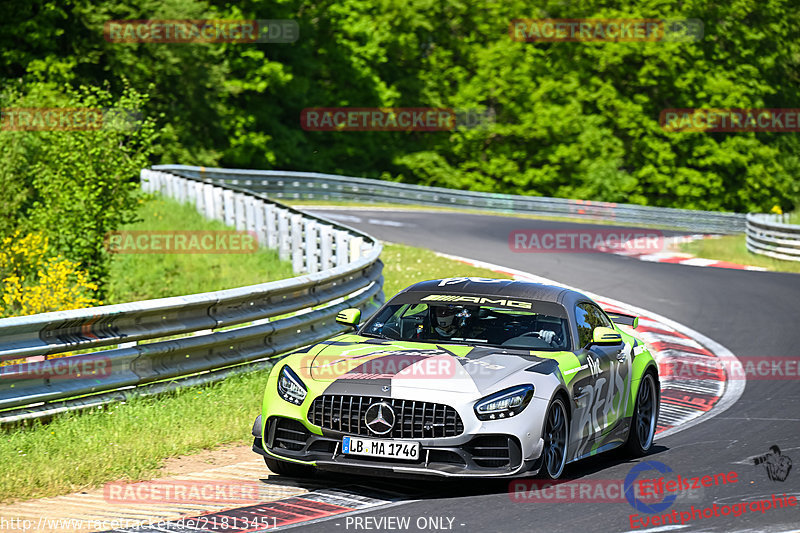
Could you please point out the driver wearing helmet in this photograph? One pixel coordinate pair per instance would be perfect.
(443, 320)
(449, 321)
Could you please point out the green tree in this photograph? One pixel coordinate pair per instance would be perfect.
(573, 119)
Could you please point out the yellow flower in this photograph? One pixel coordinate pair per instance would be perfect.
(34, 282)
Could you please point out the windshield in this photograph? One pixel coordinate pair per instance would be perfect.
(470, 324)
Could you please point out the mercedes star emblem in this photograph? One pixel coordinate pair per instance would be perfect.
(379, 418)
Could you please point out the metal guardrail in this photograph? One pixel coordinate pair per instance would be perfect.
(769, 235)
(143, 355)
(315, 186)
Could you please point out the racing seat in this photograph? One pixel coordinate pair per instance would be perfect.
(408, 325)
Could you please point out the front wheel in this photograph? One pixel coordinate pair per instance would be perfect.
(645, 413)
(556, 436)
(285, 468)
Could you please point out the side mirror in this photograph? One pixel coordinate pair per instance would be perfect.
(349, 317)
(603, 336)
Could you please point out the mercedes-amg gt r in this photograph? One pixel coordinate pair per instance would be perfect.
(463, 377)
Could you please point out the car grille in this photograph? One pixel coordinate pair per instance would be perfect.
(491, 451)
(288, 434)
(413, 419)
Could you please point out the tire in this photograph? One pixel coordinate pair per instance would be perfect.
(285, 468)
(645, 415)
(556, 437)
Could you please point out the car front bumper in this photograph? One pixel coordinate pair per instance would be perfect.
(472, 455)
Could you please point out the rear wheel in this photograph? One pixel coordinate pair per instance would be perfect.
(643, 424)
(285, 468)
(556, 433)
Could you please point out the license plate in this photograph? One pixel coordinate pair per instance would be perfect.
(395, 449)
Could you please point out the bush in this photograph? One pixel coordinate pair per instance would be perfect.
(35, 282)
(73, 186)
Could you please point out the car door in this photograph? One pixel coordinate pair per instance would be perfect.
(616, 360)
(600, 389)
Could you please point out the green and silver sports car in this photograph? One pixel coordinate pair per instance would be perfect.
(463, 377)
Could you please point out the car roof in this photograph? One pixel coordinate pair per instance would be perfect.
(500, 287)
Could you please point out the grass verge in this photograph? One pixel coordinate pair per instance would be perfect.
(131, 275)
(130, 441)
(732, 248)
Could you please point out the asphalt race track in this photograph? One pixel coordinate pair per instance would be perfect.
(750, 313)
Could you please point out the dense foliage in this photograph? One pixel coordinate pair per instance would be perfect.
(72, 186)
(573, 119)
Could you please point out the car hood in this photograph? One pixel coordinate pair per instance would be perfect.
(441, 367)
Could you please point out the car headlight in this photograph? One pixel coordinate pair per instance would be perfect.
(290, 388)
(505, 403)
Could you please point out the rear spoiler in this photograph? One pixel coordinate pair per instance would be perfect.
(622, 318)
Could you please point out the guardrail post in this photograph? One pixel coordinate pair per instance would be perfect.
(162, 184)
(250, 214)
(297, 243)
(324, 196)
(271, 219)
(312, 246)
(283, 234)
(260, 222)
(200, 198)
(228, 210)
(239, 211)
(176, 183)
(208, 200)
(169, 185)
(355, 248)
(180, 191)
(341, 247)
(219, 208)
(146, 180)
(326, 247)
(191, 191)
